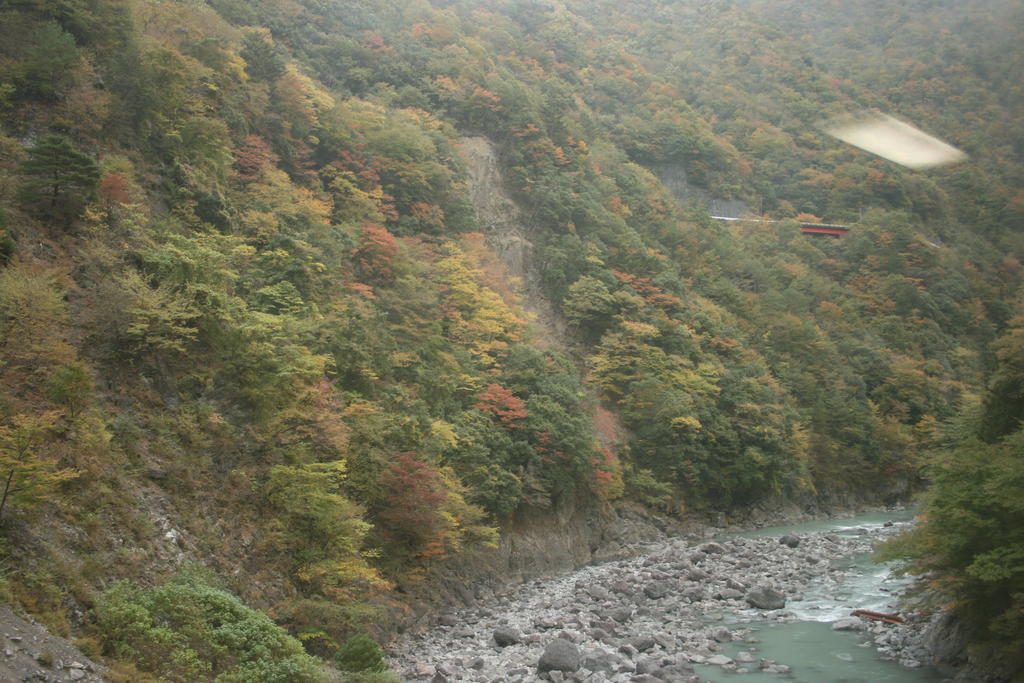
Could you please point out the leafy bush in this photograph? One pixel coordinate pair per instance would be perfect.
(361, 653)
(188, 630)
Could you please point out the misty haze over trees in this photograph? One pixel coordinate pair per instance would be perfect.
(268, 358)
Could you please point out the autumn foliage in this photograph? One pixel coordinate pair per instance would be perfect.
(502, 405)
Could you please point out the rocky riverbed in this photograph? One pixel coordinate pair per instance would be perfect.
(649, 618)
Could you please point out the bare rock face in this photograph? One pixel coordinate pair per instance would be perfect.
(30, 652)
(508, 231)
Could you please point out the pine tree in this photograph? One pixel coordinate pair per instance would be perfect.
(58, 180)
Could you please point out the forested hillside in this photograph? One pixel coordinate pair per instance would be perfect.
(252, 320)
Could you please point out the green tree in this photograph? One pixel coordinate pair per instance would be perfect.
(28, 474)
(321, 530)
(49, 63)
(971, 542)
(57, 179)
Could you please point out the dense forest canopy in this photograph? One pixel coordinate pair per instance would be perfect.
(246, 295)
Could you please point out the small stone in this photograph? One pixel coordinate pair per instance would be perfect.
(622, 614)
(697, 575)
(642, 643)
(718, 660)
(790, 540)
(656, 591)
(559, 655)
(448, 620)
(505, 636)
(423, 671)
(722, 635)
(76, 674)
(548, 624)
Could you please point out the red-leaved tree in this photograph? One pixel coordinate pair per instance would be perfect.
(502, 405)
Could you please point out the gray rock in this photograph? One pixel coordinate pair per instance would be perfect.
(790, 540)
(548, 624)
(622, 614)
(647, 666)
(696, 574)
(728, 594)
(712, 549)
(642, 643)
(559, 655)
(848, 624)
(765, 597)
(423, 671)
(722, 635)
(506, 635)
(695, 594)
(675, 673)
(656, 590)
(599, 660)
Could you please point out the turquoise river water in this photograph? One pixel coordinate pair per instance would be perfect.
(815, 652)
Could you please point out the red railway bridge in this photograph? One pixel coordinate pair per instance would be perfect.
(809, 228)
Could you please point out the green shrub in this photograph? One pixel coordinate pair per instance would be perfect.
(361, 654)
(187, 630)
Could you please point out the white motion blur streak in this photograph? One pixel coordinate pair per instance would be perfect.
(894, 140)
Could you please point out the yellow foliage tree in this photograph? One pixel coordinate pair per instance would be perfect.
(28, 474)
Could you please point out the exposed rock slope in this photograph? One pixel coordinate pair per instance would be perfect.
(31, 653)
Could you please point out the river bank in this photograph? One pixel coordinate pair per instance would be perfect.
(682, 610)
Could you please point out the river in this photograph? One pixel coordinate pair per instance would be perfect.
(681, 611)
(817, 653)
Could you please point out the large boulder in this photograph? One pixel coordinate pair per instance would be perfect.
(765, 597)
(559, 655)
(848, 624)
